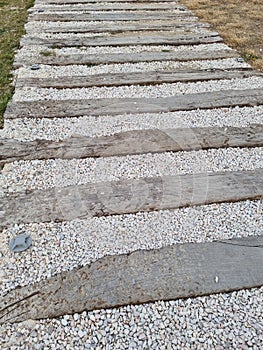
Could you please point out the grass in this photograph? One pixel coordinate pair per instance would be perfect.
(13, 14)
(239, 22)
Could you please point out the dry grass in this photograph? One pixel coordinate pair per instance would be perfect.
(13, 14)
(239, 22)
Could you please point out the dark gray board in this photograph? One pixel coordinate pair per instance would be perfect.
(130, 196)
(176, 271)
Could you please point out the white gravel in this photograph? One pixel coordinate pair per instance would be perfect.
(48, 71)
(136, 91)
(34, 50)
(224, 321)
(63, 246)
(42, 174)
(61, 128)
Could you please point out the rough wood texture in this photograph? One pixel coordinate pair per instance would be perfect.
(85, 58)
(107, 16)
(140, 6)
(130, 196)
(176, 271)
(65, 2)
(136, 78)
(115, 28)
(132, 142)
(118, 106)
(165, 38)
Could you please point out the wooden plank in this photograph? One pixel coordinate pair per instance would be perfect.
(94, 59)
(110, 6)
(136, 78)
(172, 272)
(119, 106)
(166, 38)
(65, 2)
(117, 28)
(130, 196)
(132, 142)
(107, 16)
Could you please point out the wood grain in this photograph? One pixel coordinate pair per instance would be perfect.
(136, 78)
(93, 59)
(166, 38)
(107, 16)
(130, 196)
(159, 25)
(132, 142)
(119, 106)
(177, 271)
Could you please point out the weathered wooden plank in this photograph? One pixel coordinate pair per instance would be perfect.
(136, 78)
(65, 2)
(119, 106)
(112, 6)
(166, 38)
(117, 28)
(107, 16)
(176, 271)
(93, 59)
(133, 142)
(130, 196)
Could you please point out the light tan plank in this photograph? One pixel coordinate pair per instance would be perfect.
(119, 106)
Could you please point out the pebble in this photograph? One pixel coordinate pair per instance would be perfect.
(20, 176)
(61, 128)
(136, 91)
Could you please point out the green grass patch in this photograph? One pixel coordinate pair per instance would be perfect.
(13, 14)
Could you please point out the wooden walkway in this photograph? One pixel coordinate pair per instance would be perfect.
(178, 271)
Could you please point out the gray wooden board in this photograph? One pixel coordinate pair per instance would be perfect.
(130, 196)
(132, 142)
(120, 106)
(115, 28)
(152, 6)
(166, 38)
(172, 272)
(107, 16)
(65, 2)
(93, 59)
(136, 78)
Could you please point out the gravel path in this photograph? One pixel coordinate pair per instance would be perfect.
(221, 321)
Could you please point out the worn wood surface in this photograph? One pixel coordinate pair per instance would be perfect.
(118, 106)
(115, 28)
(107, 16)
(136, 78)
(166, 38)
(132, 142)
(65, 2)
(92, 59)
(176, 271)
(130, 196)
(111, 6)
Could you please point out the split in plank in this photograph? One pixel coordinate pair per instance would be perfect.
(92, 59)
(108, 16)
(117, 28)
(166, 38)
(120, 106)
(130, 196)
(132, 142)
(172, 272)
(136, 78)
